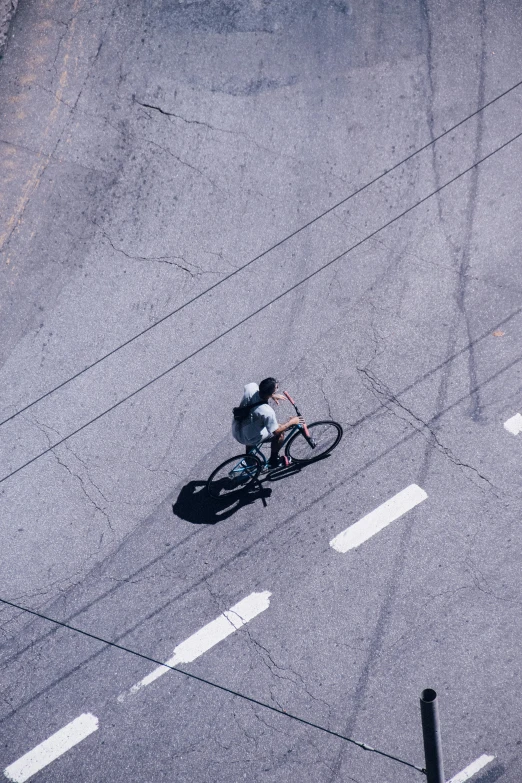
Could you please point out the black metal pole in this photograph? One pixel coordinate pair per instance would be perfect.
(431, 736)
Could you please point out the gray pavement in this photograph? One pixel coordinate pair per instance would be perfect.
(149, 153)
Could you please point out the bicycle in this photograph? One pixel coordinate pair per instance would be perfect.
(303, 444)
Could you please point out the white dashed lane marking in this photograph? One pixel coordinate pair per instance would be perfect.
(471, 769)
(514, 424)
(52, 748)
(378, 519)
(208, 636)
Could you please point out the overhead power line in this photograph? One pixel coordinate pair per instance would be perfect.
(212, 684)
(258, 257)
(260, 309)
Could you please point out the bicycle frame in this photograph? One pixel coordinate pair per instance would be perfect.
(240, 468)
(256, 450)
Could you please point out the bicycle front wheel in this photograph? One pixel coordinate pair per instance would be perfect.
(233, 476)
(326, 436)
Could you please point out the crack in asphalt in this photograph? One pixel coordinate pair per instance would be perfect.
(259, 718)
(178, 116)
(215, 128)
(86, 493)
(327, 401)
(166, 150)
(411, 623)
(156, 469)
(31, 419)
(391, 403)
(274, 668)
(175, 429)
(379, 344)
(254, 644)
(481, 583)
(262, 651)
(180, 160)
(161, 259)
(221, 257)
(54, 94)
(59, 45)
(87, 468)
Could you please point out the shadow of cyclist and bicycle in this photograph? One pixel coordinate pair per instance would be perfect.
(195, 505)
(241, 480)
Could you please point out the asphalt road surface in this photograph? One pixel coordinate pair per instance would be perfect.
(196, 195)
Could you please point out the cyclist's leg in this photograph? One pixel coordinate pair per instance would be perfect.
(276, 441)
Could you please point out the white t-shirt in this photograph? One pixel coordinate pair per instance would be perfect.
(260, 423)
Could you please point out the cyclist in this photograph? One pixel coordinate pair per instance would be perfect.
(260, 423)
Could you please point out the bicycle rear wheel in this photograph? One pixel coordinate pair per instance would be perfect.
(233, 476)
(326, 435)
